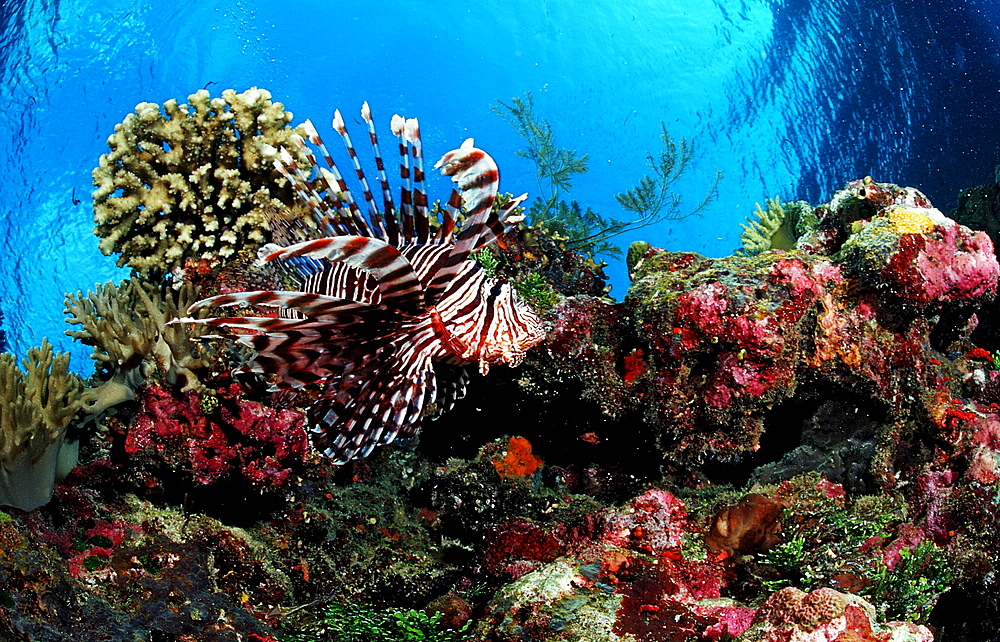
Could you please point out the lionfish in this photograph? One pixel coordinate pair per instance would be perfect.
(389, 310)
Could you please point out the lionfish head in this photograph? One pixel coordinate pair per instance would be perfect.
(512, 329)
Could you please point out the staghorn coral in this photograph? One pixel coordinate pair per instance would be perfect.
(193, 181)
(778, 227)
(128, 327)
(36, 405)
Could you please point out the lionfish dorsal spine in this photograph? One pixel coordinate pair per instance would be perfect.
(398, 125)
(391, 227)
(326, 178)
(374, 214)
(286, 165)
(411, 133)
(336, 186)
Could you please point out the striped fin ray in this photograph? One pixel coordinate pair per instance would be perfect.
(391, 226)
(338, 327)
(398, 126)
(449, 216)
(327, 209)
(453, 383)
(289, 168)
(334, 176)
(344, 281)
(299, 359)
(411, 132)
(373, 211)
(477, 177)
(397, 282)
(373, 401)
(317, 306)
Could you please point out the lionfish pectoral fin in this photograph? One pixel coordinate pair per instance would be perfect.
(384, 398)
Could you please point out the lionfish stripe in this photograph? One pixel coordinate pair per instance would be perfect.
(343, 281)
(374, 412)
(404, 291)
(334, 176)
(476, 175)
(373, 211)
(326, 210)
(448, 217)
(398, 126)
(391, 227)
(316, 306)
(411, 132)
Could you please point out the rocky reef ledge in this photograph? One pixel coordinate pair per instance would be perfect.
(796, 442)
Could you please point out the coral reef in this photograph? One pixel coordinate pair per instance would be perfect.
(36, 405)
(799, 442)
(129, 327)
(729, 338)
(826, 614)
(193, 182)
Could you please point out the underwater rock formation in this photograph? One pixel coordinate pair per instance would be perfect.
(640, 578)
(729, 338)
(193, 182)
(209, 436)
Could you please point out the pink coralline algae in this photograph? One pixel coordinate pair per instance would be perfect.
(943, 263)
(634, 581)
(230, 435)
(791, 615)
(727, 339)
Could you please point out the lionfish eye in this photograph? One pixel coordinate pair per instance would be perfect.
(495, 291)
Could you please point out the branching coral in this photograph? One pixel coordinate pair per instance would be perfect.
(192, 181)
(128, 327)
(36, 405)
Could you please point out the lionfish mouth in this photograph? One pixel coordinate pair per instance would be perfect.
(390, 311)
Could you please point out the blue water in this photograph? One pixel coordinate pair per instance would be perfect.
(787, 98)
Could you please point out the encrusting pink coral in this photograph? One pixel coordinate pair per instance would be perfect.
(212, 439)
